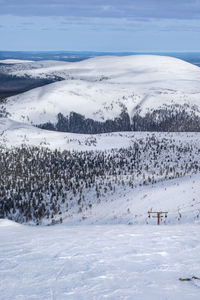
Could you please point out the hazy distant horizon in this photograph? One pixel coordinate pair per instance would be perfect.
(72, 56)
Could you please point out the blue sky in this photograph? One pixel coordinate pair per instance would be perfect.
(106, 25)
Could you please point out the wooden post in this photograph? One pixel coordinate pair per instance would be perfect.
(158, 218)
(158, 215)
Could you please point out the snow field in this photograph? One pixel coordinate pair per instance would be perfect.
(98, 262)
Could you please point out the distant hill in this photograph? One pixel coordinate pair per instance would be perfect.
(106, 94)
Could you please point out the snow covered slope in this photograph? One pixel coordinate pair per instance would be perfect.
(99, 262)
(105, 179)
(15, 134)
(149, 90)
(178, 197)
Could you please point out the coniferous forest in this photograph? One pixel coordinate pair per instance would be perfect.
(40, 185)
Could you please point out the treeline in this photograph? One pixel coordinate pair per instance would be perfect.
(77, 123)
(174, 118)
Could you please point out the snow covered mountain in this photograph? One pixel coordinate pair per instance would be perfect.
(50, 176)
(106, 94)
(112, 179)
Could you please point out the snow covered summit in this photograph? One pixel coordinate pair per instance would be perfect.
(104, 94)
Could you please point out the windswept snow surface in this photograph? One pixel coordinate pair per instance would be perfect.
(98, 262)
(99, 88)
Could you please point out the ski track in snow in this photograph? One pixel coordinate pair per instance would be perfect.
(98, 262)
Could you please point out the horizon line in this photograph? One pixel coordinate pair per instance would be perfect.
(104, 51)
